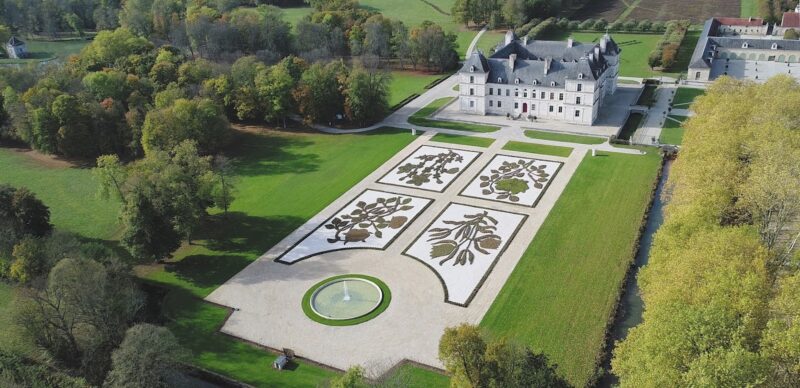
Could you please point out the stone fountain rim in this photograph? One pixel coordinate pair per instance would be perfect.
(331, 281)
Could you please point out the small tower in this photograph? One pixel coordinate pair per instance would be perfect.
(16, 48)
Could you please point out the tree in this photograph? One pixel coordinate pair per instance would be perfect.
(318, 94)
(148, 232)
(274, 87)
(28, 262)
(149, 356)
(352, 378)
(136, 16)
(791, 34)
(366, 96)
(462, 349)
(199, 119)
(224, 189)
(434, 48)
(111, 46)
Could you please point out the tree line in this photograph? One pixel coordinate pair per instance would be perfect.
(722, 287)
(78, 304)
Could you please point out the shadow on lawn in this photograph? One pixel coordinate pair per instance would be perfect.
(271, 154)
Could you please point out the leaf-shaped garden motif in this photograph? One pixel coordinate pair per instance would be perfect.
(429, 167)
(369, 219)
(457, 241)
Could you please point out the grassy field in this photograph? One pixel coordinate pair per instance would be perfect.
(48, 50)
(421, 118)
(749, 8)
(69, 192)
(419, 377)
(696, 10)
(672, 132)
(565, 137)
(406, 83)
(295, 14)
(541, 149)
(489, 41)
(463, 140)
(635, 49)
(565, 287)
(284, 179)
(685, 96)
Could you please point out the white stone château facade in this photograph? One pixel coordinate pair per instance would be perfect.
(555, 80)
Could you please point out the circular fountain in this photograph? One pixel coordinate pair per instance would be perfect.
(346, 300)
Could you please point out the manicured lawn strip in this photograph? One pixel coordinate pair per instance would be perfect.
(284, 178)
(463, 140)
(71, 194)
(564, 289)
(421, 377)
(672, 132)
(541, 149)
(749, 8)
(385, 301)
(406, 83)
(565, 137)
(685, 96)
(421, 118)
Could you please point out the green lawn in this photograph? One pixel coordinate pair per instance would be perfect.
(489, 41)
(295, 14)
(685, 96)
(406, 83)
(421, 118)
(635, 49)
(672, 132)
(284, 179)
(47, 50)
(541, 149)
(565, 137)
(565, 287)
(749, 8)
(6, 294)
(419, 377)
(464, 140)
(69, 192)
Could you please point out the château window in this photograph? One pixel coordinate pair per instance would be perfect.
(580, 75)
(471, 79)
(516, 92)
(580, 87)
(560, 96)
(551, 109)
(553, 83)
(745, 45)
(578, 100)
(491, 103)
(471, 91)
(552, 96)
(560, 109)
(525, 93)
(472, 69)
(543, 94)
(508, 92)
(491, 91)
(774, 46)
(577, 113)
(516, 105)
(499, 104)
(516, 81)
(472, 104)
(499, 80)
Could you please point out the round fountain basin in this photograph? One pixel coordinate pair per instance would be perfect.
(346, 298)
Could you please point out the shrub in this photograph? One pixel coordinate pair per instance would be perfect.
(616, 26)
(654, 59)
(630, 25)
(657, 27)
(587, 24)
(573, 25)
(600, 25)
(563, 23)
(645, 25)
(542, 28)
(791, 34)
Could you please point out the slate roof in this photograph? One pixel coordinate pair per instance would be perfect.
(562, 62)
(701, 56)
(14, 42)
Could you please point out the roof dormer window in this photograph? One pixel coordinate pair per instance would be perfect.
(535, 82)
(499, 80)
(516, 81)
(745, 45)
(472, 69)
(553, 83)
(580, 75)
(774, 46)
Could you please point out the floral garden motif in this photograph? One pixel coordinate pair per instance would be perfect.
(372, 220)
(513, 179)
(462, 246)
(369, 220)
(475, 231)
(430, 168)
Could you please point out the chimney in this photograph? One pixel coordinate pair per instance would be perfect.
(509, 37)
(604, 43)
(570, 42)
(596, 53)
(525, 40)
(511, 60)
(547, 65)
